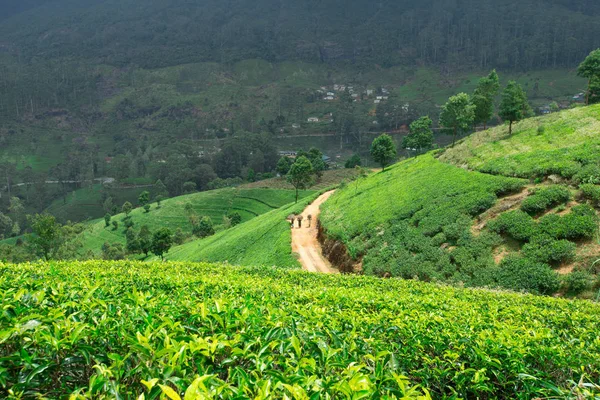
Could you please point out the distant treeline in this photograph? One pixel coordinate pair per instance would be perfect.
(508, 34)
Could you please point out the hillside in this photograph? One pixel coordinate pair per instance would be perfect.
(174, 213)
(224, 332)
(428, 219)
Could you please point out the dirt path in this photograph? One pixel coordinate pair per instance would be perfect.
(305, 243)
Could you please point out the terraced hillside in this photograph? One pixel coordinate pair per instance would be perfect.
(265, 240)
(467, 219)
(174, 213)
(175, 330)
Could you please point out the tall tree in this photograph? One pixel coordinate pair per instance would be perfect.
(420, 137)
(483, 98)
(47, 235)
(457, 114)
(514, 106)
(383, 150)
(590, 69)
(300, 174)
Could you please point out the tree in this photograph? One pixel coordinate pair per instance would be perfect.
(115, 225)
(179, 237)
(113, 251)
(162, 240)
(145, 240)
(47, 235)
(190, 187)
(127, 207)
(383, 150)
(421, 135)
(235, 218)
(144, 198)
(132, 242)
(107, 218)
(283, 166)
(160, 189)
(204, 228)
(590, 69)
(316, 159)
(514, 106)
(457, 114)
(353, 162)
(483, 98)
(159, 198)
(300, 174)
(6, 225)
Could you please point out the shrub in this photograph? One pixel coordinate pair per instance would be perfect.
(517, 224)
(235, 218)
(523, 274)
(578, 282)
(580, 223)
(588, 174)
(591, 192)
(353, 162)
(204, 228)
(545, 249)
(545, 199)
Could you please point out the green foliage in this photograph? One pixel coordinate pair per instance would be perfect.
(589, 173)
(204, 228)
(264, 240)
(115, 225)
(545, 249)
(283, 165)
(231, 332)
(484, 96)
(420, 137)
(113, 251)
(234, 218)
(300, 174)
(144, 198)
(383, 150)
(517, 224)
(145, 240)
(107, 218)
(544, 199)
(133, 244)
(126, 208)
(580, 223)
(591, 192)
(590, 69)
(48, 236)
(514, 106)
(162, 240)
(578, 282)
(517, 273)
(179, 237)
(457, 114)
(353, 162)
(402, 223)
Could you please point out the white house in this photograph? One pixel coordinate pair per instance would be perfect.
(336, 87)
(329, 98)
(369, 92)
(379, 97)
(377, 101)
(313, 119)
(296, 126)
(330, 94)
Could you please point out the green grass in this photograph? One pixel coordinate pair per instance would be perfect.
(559, 143)
(107, 330)
(172, 214)
(265, 240)
(330, 178)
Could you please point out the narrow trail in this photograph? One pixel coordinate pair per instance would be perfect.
(305, 243)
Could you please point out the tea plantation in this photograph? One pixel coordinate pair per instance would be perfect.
(105, 330)
(173, 213)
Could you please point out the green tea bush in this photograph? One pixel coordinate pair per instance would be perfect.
(578, 282)
(591, 192)
(522, 274)
(106, 330)
(517, 224)
(588, 174)
(580, 223)
(544, 199)
(546, 249)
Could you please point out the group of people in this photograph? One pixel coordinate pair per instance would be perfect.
(299, 218)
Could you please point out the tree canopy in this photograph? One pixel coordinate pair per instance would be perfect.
(514, 106)
(383, 150)
(457, 114)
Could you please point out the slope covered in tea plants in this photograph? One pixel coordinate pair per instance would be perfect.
(120, 329)
(265, 240)
(562, 143)
(173, 213)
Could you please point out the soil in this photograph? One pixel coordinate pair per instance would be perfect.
(305, 242)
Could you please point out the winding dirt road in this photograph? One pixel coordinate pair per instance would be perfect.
(305, 243)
